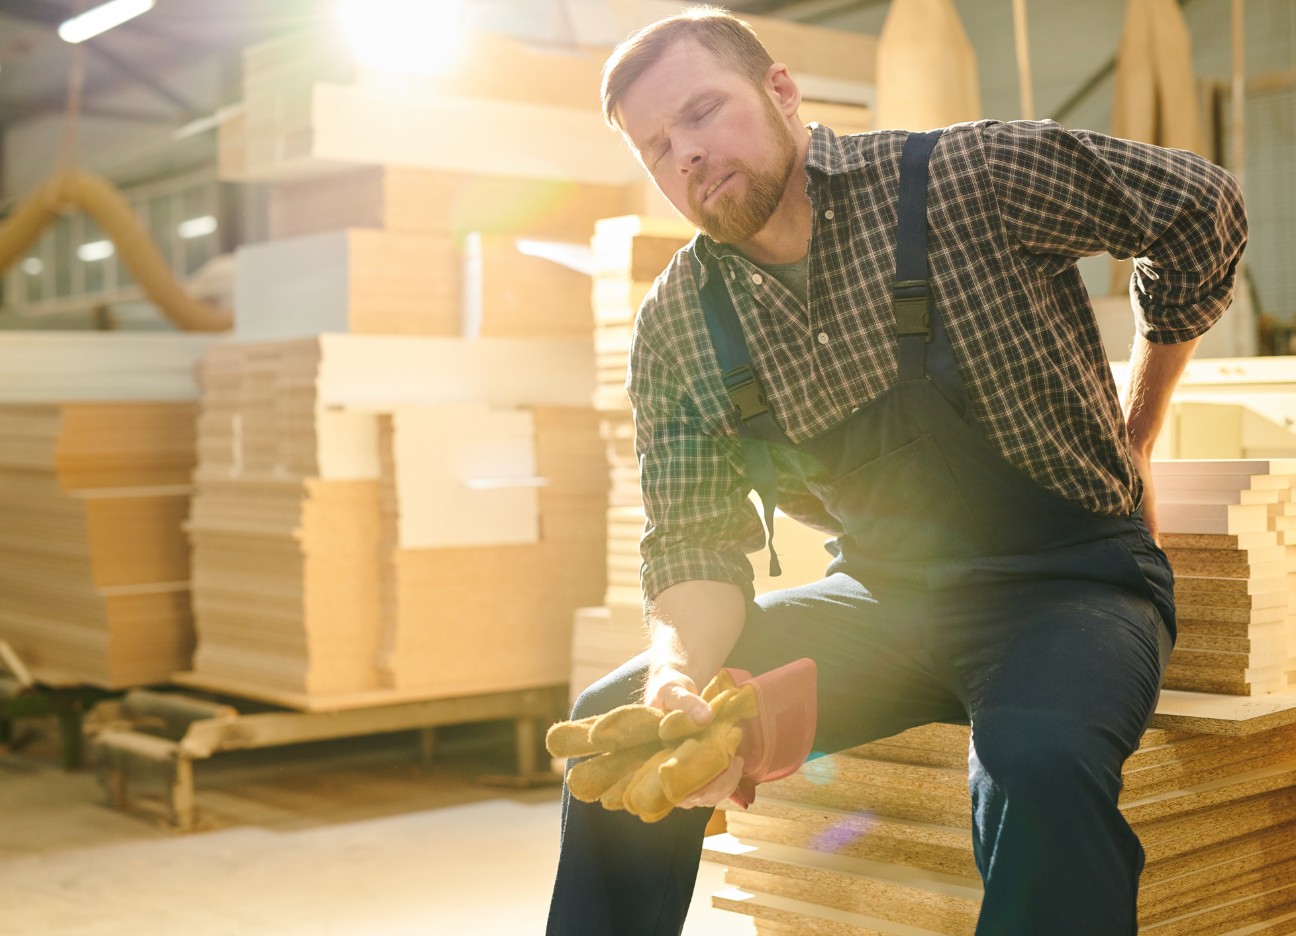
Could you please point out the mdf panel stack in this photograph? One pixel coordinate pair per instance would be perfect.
(96, 451)
(1221, 523)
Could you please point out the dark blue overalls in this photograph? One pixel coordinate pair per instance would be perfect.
(991, 599)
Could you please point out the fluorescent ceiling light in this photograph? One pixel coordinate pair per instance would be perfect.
(33, 266)
(101, 19)
(196, 227)
(95, 250)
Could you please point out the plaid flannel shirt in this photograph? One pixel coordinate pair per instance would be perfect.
(1011, 207)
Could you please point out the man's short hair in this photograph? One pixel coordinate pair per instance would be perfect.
(731, 40)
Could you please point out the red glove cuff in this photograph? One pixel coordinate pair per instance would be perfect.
(778, 740)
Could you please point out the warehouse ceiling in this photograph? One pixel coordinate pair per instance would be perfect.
(138, 55)
(142, 54)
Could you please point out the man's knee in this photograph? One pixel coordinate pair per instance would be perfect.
(1044, 757)
(620, 687)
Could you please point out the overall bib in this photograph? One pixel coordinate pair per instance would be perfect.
(989, 599)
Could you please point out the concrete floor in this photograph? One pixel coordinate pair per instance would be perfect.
(339, 839)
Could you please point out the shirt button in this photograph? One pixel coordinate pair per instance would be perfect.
(757, 279)
(829, 214)
(823, 337)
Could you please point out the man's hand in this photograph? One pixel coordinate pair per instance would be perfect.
(1143, 462)
(670, 690)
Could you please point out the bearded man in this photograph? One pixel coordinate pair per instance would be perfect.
(887, 335)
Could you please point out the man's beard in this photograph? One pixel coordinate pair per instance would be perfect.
(733, 218)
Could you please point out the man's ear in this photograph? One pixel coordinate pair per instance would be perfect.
(786, 94)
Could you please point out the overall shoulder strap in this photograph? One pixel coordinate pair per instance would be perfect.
(756, 424)
(910, 300)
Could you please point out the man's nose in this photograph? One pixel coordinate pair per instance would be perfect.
(689, 154)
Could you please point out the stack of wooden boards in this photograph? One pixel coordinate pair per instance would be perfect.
(96, 453)
(411, 513)
(401, 483)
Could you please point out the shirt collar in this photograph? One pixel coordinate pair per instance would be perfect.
(826, 157)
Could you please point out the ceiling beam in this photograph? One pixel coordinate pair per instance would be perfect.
(137, 75)
(12, 111)
(47, 14)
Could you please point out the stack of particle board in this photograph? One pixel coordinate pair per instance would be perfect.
(877, 839)
(94, 569)
(292, 590)
(1220, 524)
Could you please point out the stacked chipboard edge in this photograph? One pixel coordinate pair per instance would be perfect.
(877, 839)
(96, 451)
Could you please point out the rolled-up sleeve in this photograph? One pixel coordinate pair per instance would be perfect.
(700, 524)
(1074, 193)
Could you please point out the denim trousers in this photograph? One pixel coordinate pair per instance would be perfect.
(1057, 676)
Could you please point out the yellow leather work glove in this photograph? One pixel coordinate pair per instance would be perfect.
(647, 761)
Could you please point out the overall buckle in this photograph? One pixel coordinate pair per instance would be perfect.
(909, 304)
(745, 392)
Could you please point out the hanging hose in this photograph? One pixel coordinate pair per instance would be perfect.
(108, 207)
(72, 188)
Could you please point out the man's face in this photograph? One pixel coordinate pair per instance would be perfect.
(717, 146)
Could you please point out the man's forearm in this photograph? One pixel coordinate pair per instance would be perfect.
(694, 627)
(1154, 371)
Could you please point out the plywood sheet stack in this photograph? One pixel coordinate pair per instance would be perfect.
(877, 839)
(96, 451)
(1221, 523)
